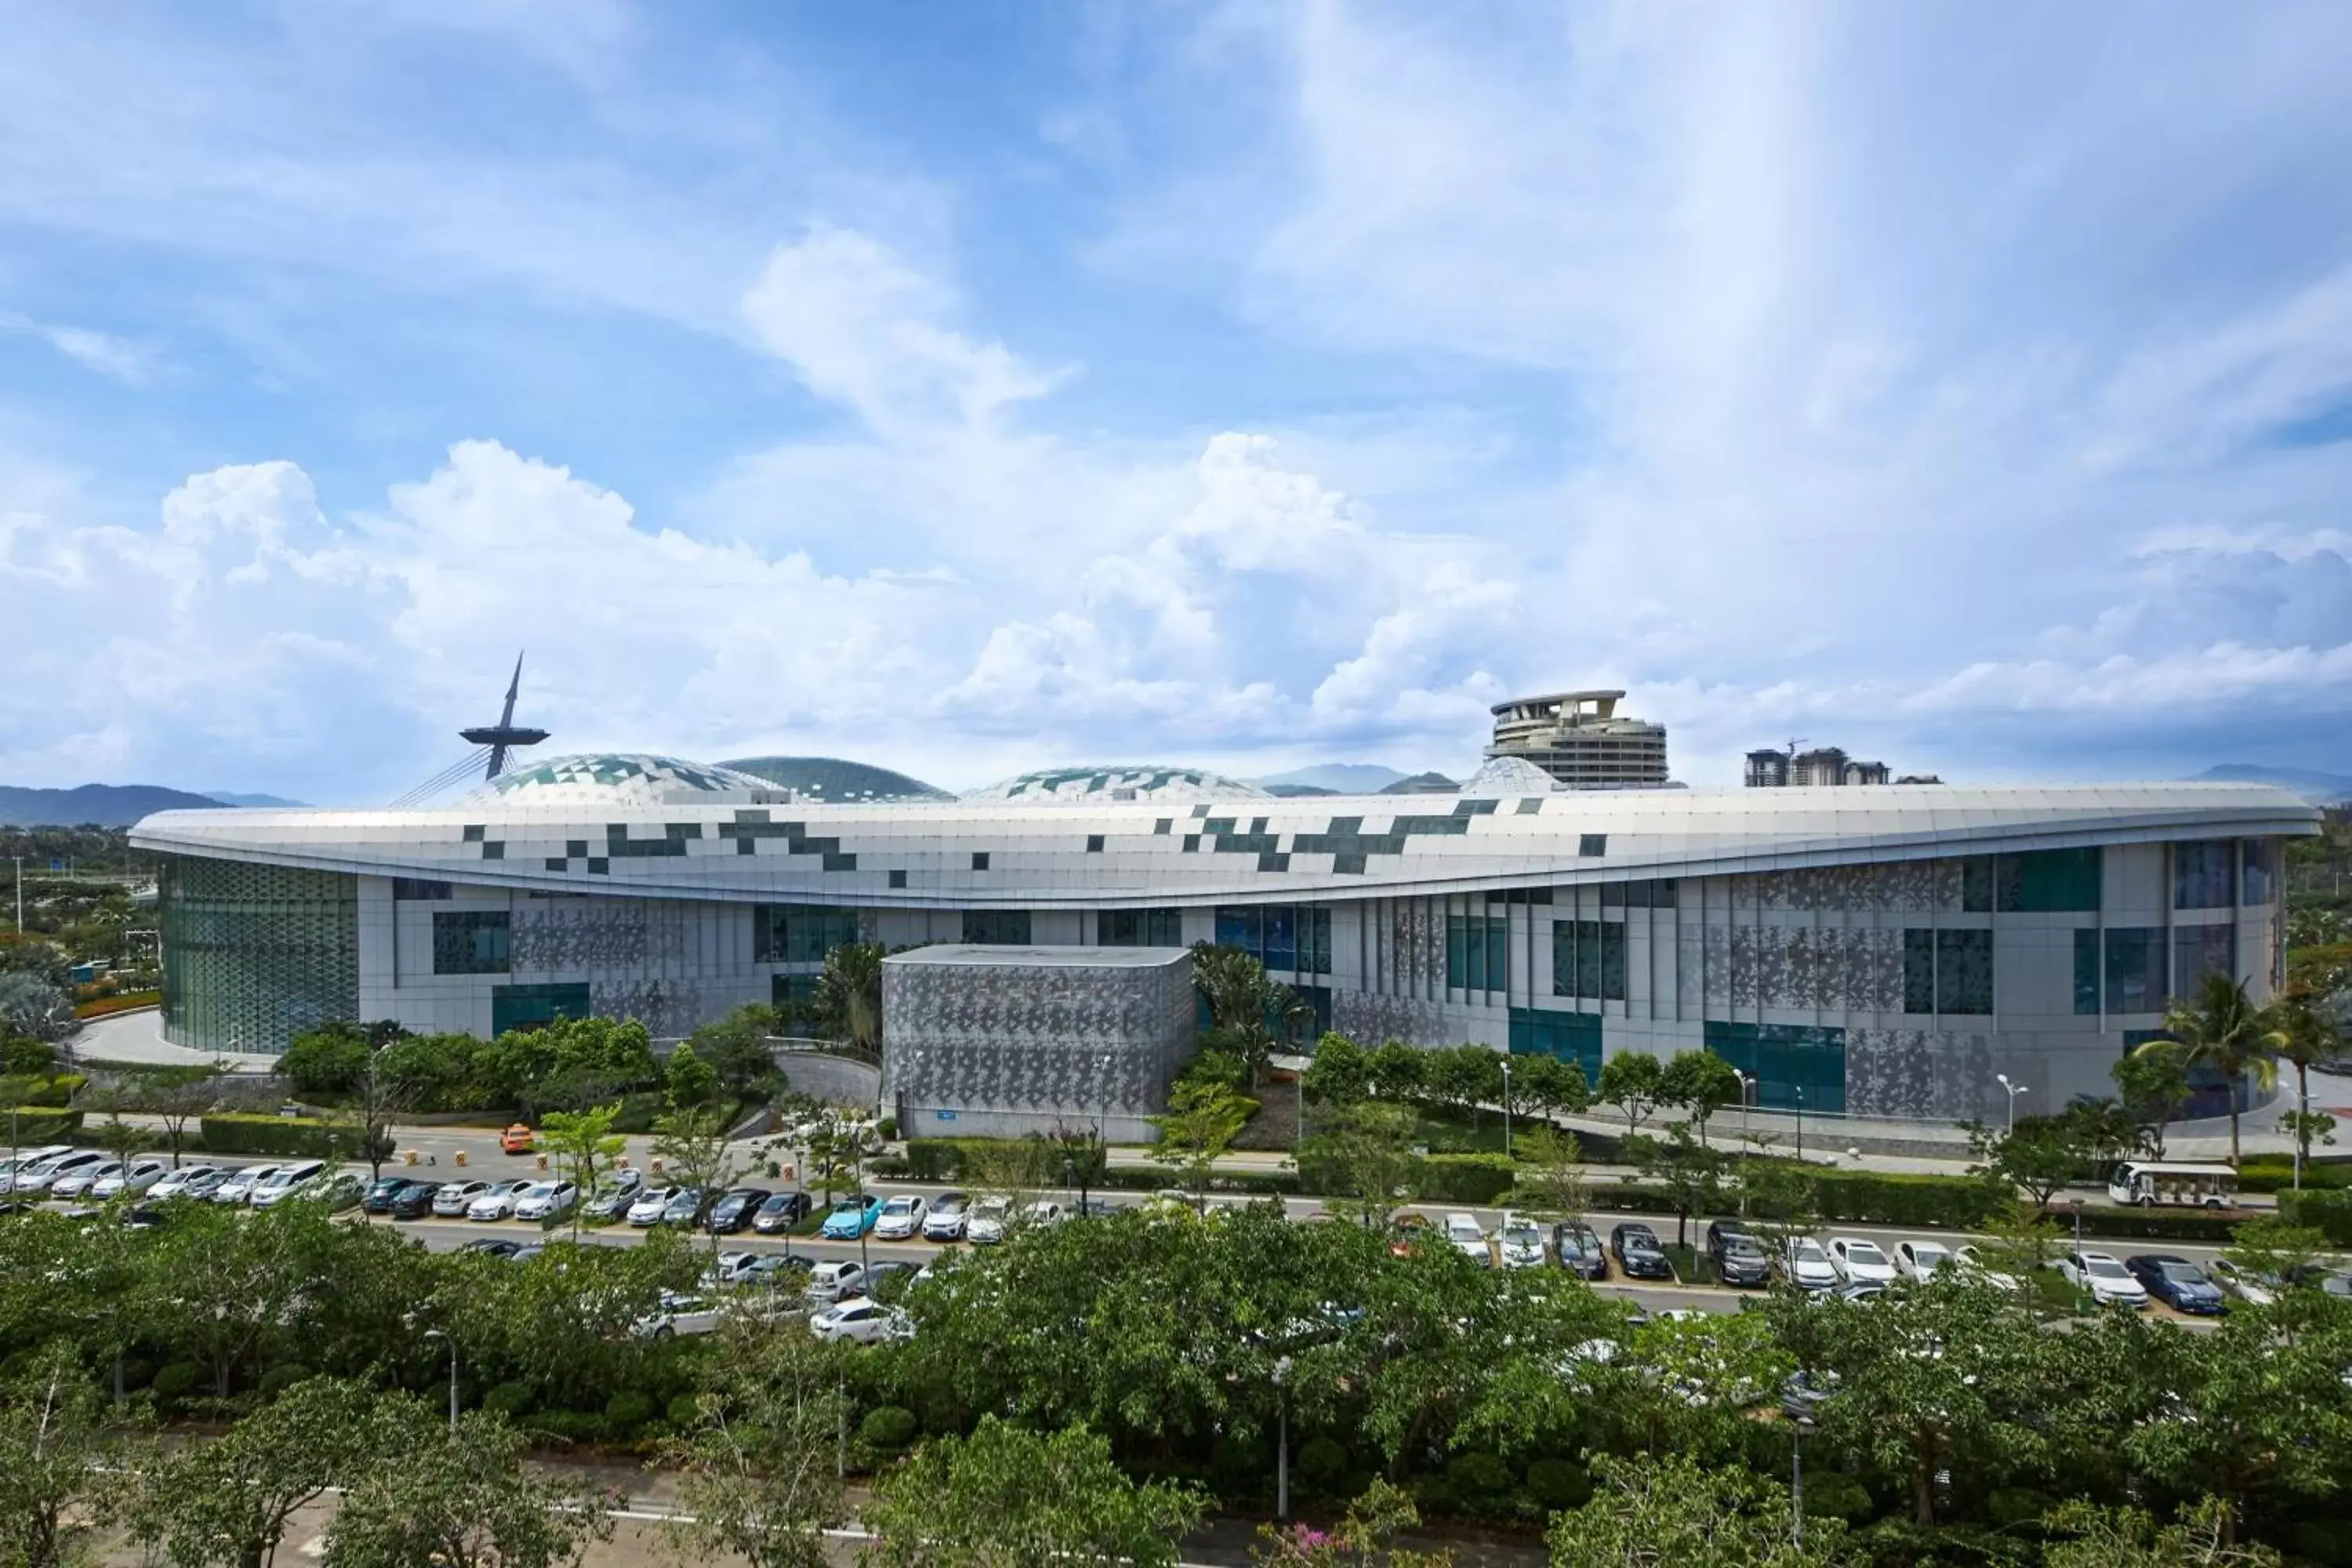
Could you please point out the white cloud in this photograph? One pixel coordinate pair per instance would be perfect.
(119, 359)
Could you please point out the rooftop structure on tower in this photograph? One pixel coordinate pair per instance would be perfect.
(1580, 739)
(506, 735)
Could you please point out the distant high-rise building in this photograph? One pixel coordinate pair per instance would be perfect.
(1773, 768)
(1578, 739)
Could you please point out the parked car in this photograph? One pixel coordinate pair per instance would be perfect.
(1856, 1290)
(1804, 1393)
(498, 1202)
(734, 1209)
(77, 1183)
(2254, 1290)
(493, 1246)
(1741, 1259)
(338, 1191)
(1406, 1231)
(183, 1183)
(1579, 1250)
(1464, 1235)
(615, 1193)
(1806, 1264)
(1517, 1243)
(235, 1191)
(648, 1207)
(901, 1218)
(2103, 1276)
(455, 1198)
(518, 1139)
(284, 1181)
(43, 1178)
(1920, 1259)
(138, 1176)
(2178, 1283)
(988, 1221)
(1636, 1247)
(733, 1267)
(1045, 1211)
(546, 1200)
(1972, 1260)
(684, 1207)
(887, 1279)
(679, 1313)
(944, 1220)
(781, 1213)
(850, 1217)
(1861, 1262)
(414, 1201)
(2319, 1276)
(378, 1197)
(837, 1278)
(861, 1320)
(26, 1159)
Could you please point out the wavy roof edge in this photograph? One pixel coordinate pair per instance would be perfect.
(838, 780)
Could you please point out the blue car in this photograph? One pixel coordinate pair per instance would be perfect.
(851, 1219)
(2178, 1283)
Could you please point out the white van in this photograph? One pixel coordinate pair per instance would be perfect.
(284, 1180)
(2145, 1185)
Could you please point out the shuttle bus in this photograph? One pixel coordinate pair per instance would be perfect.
(2148, 1184)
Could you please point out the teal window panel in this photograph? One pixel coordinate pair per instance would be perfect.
(2201, 951)
(1795, 1067)
(800, 934)
(1478, 952)
(535, 1007)
(2136, 969)
(1918, 970)
(1567, 1036)
(2048, 881)
(795, 992)
(1588, 960)
(1964, 972)
(2086, 972)
(1288, 938)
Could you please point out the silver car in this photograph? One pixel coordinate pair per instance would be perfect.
(235, 1191)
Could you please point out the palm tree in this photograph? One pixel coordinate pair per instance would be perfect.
(849, 996)
(2222, 1030)
(2308, 1038)
(1244, 1005)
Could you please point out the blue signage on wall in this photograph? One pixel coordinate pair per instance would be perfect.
(945, 1115)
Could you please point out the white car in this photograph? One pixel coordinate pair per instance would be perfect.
(27, 1160)
(1463, 1233)
(943, 1219)
(988, 1221)
(77, 1183)
(1521, 1242)
(735, 1268)
(2103, 1274)
(677, 1314)
(834, 1280)
(1861, 1262)
(175, 1184)
(451, 1199)
(498, 1203)
(45, 1176)
(1808, 1266)
(546, 1200)
(901, 1217)
(2254, 1290)
(1970, 1259)
(285, 1180)
(1045, 1211)
(1920, 1259)
(861, 1322)
(240, 1185)
(650, 1205)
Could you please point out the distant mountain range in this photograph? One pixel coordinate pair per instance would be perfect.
(1331, 778)
(110, 806)
(2323, 789)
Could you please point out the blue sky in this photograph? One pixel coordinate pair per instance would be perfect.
(976, 387)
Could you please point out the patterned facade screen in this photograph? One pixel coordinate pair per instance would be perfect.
(254, 955)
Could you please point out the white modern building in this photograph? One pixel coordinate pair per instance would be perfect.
(1881, 952)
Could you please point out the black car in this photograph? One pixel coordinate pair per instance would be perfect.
(1636, 1247)
(1738, 1258)
(1579, 1250)
(496, 1246)
(378, 1197)
(733, 1212)
(2178, 1283)
(414, 1201)
(781, 1213)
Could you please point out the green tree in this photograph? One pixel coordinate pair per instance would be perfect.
(2096, 1537)
(757, 1468)
(737, 1048)
(1400, 1072)
(1007, 1496)
(848, 1002)
(1203, 1121)
(326, 1061)
(1365, 1533)
(1702, 1083)
(2153, 1083)
(59, 1456)
(227, 1501)
(1549, 1086)
(1365, 1158)
(584, 1146)
(1634, 1082)
(2039, 1156)
(175, 1096)
(33, 1007)
(1675, 1512)
(1250, 1012)
(2105, 1131)
(692, 1146)
(1552, 1181)
(688, 1082)
(1466, 1077)
(459, 1498)
(1080, 1157)
(222, 1285)
(2307, 1037)
(1340, 1073)
(1688, 1171)
(2224, 1031)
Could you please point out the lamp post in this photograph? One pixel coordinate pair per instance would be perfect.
(1796, 1478)
(1746, 1084)
(2014, 1090)
(1799, 1092)
(1281, 1442)
(437, 1334)
(1506, 1108)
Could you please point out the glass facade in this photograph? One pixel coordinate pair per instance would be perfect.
(1794, 1066)
(534, 1007)
(1975, 885)
(470, 942)
(997, 928)
(792, 991)
(254, 954)
(405, 890)
(1570, 1036)
(1658, 895)
(1291, 939)
(1947, 971)
(2086, 972)
(1588, 960)
(1478, 952)
(2136, 969)
(1139, 927)
(2261, 870)
(2204, 875)
(2201, 951)
(2047, 882)
(800, 934)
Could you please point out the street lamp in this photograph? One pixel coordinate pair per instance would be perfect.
(1746, 1085)
(1281, 1442)
(2014, 1090)
(437, 1334)
(1506, 1108)
(1796, 1478)
(1799, 1092)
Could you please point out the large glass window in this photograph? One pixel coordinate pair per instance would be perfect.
(2201, 951)
(1658, 895)
(470, 942)
(1588, 960)
(2135, 969)
(1947, 971)
(1291, 939)
(792, 995)
(2086, 970)
(997, 928)
(1477, 952)
(533, 1007)
(2262, 857)
(1139, 927)
(2048, 881)
(800, 934)
(407, 889)
(2204, 875)
(1975, 885)
(1570, 1036)
(1795, 1065)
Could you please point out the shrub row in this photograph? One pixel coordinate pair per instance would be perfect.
(44, 1125)
(299, 1136)
(2330, 1213)
(2275, 1174)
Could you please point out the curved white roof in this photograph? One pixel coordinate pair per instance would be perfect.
(1085, 785)
(624, 778)
(1097, 851)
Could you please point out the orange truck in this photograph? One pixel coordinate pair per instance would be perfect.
(518, 1139)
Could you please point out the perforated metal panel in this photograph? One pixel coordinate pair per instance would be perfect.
(255, 954)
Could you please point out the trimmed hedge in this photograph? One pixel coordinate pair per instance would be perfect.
(2275, 1174)
(1466, 1178)
(298, 1136)
(2329, 1213)
(2219, 1227)
(40, 1124)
